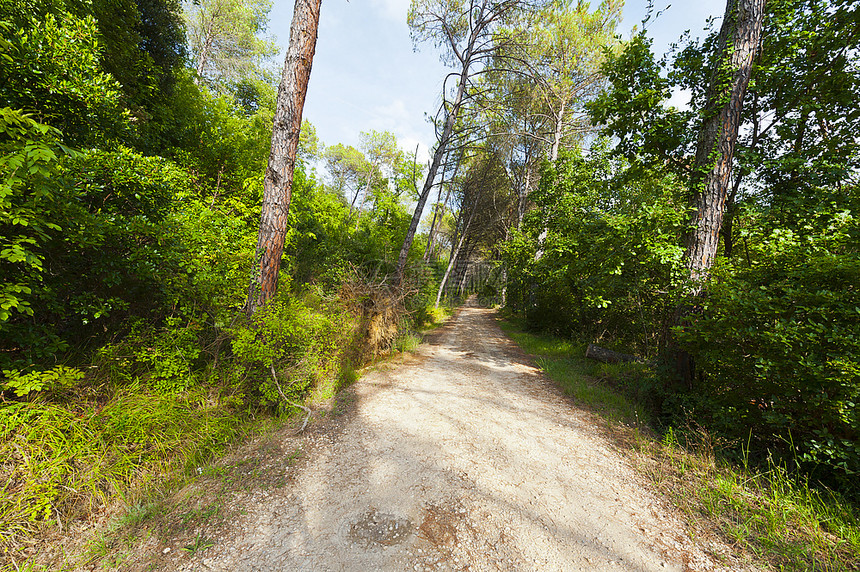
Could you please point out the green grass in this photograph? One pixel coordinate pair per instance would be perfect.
(407, 342)
(778, 522)
(785, 523)
(584, 380)
(62, 460)
(134, 429)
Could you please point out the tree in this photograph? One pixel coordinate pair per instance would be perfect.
(310, 146)
(346, 168)
(737, 44)
(225, 39)
(378, 167)
(51, 68)
(469, 31)
(721, 119)
(798, 149)
(383, 155)
(486, 206)
(277, 183)
(561, 68)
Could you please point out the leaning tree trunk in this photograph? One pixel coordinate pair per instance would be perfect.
(454, 256)
(441, 149)
(431, 238)
(738, 42)
(440, 211)
(278, 180)
(557, 134)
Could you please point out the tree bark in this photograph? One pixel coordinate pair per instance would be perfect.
(434, 167)
(454, 254)
(559, 130)
(738, 42)
(278, 180)
(428, 252)
(716, 144)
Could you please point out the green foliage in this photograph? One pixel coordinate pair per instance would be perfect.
(633, 111)
(778, 347)
(29, 152)
(52, 69)
(609, 252)
(172, 355)
(62, 459)
(216, 249)
(325, 239)
(108, 245)
(226, 42)
(224, 145)
(299, 337)
(60, 377)
(774, 336)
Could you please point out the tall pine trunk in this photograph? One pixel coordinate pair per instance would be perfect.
(737, 45)
(278, 180)
(557, 134)
(441, 148)
(437, 214)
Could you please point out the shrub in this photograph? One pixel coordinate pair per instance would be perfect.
(778, 348)
(300, 338)
(597, 254)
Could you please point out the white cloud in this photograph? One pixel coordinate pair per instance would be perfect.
(391, 115)
(409, 128)
(408, 144)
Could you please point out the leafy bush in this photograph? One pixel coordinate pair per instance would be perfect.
(300, 338)
(51, 67)
(609, 252)
(23, 384)
(29, 185)
(778, 347)
(101, 225)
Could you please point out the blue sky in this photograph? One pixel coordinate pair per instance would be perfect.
(366, 74)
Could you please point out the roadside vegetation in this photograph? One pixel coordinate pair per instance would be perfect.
(148, 317)
(130, 194)
(778, 520)
(747, 309)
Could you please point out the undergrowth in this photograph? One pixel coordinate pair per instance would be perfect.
(155, 406)
(784, 522)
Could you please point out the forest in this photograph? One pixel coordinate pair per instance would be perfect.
(174, 277)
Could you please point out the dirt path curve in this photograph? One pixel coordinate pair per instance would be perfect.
(464, 459)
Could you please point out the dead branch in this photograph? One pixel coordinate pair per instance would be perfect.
(608, 356)
(288, 401)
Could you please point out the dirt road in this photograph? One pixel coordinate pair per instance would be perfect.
(461, 458)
